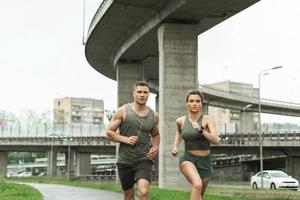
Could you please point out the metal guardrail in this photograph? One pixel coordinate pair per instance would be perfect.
(62, 141)
(272, 139)
(238, 95)
(54, 131)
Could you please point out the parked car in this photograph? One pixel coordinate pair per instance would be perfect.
(274, 179)
(24, 174)
(105, 169)
(42, 174)
(11, 174)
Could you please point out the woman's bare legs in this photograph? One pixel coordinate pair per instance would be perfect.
(190, 172)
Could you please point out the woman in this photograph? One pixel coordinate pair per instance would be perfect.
(198, 132)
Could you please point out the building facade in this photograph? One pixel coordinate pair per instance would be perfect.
(71, 110)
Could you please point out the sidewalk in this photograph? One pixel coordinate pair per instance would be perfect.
(61, 192)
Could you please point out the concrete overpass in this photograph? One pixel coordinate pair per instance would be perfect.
(76, 142)
(224, 99)
(80, 148)
(78, 151)
(127, 31)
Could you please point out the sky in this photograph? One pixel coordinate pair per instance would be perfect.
(42, 55)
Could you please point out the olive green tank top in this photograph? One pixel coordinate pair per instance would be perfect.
(192, 138)
(138, 126)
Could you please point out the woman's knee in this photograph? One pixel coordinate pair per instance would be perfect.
(197, 186)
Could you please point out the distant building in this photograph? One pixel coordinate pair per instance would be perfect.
(229, 120)
(71, 110)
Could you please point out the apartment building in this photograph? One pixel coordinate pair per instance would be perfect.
(72, 110)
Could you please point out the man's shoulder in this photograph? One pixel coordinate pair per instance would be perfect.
(121, 111)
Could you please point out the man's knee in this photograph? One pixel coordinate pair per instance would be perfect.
(143, 191)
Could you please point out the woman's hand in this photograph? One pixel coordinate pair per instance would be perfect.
(196, 126)
(174, 151)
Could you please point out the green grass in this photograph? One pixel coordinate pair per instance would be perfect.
(13, 191)
(156, 193)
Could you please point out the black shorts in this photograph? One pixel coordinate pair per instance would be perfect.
(129, 174)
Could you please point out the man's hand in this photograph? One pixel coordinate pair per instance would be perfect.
(152, 153)
(174, 151)
(131, 140)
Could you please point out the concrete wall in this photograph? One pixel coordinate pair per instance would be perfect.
(293, 166)
(229, 173)
(83, 164)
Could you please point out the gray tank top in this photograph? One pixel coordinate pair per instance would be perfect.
(141, 127)
(192, 139)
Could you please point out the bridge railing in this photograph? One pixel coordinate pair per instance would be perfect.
(253, 138)
(249, 98)
(52, 130)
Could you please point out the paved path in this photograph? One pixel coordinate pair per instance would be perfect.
(61, 192)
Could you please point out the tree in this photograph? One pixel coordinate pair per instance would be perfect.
(7, 117)
(109, 114)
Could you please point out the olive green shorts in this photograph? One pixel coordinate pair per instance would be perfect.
(202, 163)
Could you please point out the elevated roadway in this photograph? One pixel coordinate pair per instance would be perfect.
(43, 144)
(224, 99)
(126, 31)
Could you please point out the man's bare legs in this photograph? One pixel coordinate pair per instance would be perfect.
(143, 189)
(129, 194)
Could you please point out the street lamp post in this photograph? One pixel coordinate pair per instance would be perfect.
(262, 73)
(244, 121)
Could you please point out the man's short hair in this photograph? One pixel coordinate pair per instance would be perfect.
(194, 92)
(141, 83)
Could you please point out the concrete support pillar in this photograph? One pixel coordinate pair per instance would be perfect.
(83, 164)
(292, 166)
(246, 122)
(205, 109)
(69, 162)
(177, 74)
(157, 103)
(52, 162)
(127, 75)
(156, 161)
(3, 163)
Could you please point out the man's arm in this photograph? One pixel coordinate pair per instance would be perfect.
(155, 138)
(113, 126)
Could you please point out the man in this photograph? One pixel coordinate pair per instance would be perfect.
(139, 142)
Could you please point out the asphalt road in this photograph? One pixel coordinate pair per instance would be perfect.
(61, 192)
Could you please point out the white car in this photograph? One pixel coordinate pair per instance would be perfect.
(274, 179)
(24, 174)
